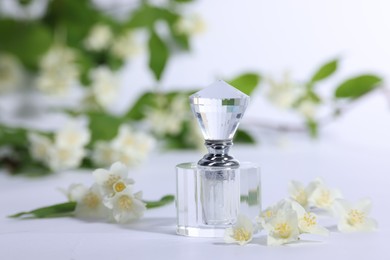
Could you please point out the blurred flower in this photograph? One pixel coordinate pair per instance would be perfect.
(270, 212)
(89, 202)
(58, 71)
(283, 227)
(307, 108)
(126, 45)
(65, 152)
(128, 147)
(74, 191)
(324, 197)
(23, 9)
(64, 158)
(133, 147)
(354, 217)
(107, 178)
(125, 205)
(72, 136)
(190, 25)
(241, 232)
(104, 86)
(99, 38)
(284, 93)
(300, 193)
(195, 135)
(103, 153)
(169, 121)
(11, 73)
(39, 146)
(307, 221)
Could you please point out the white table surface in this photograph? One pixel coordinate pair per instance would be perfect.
(357, 171)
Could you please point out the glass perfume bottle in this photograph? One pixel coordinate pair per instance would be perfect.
(211, 193)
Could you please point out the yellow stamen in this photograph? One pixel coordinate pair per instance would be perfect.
(119, 186)
(91, 200)
(301, 197)
(325, 198)
(240, 234)
(283, 230)
(268, 214)
(309, 220)
(355, 217)
(125, 202)
(111, 180)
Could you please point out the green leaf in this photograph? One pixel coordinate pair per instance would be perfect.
(30, 42)
(13, 136)
(167, 199)
(246, 82)
(158, 55)
(103, 126)
(182, 40)
(312, 127)
(325, 71)
(57, 210)
(243, 137)
(357, 86)
(137, 111)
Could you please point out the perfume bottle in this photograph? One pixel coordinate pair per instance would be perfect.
(211, 193)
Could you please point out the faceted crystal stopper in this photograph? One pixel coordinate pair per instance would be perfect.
(219, 109)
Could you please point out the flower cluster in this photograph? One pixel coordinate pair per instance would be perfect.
(168, 118)
(190, 25)
(111, 197)
(58, 70)
(11, 73)
(128, 147)
(285, 221)
(288, 94)
(101, 38)
(105, 87)
(65, 152)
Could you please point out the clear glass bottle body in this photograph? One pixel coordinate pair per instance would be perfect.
(209, 199)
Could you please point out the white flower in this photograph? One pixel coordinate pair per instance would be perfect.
(104, 153)
(307, 221)
(270, 212)
(39, 146)
(89, 203)
(58, 71)
(132, 147)
(283, 227)
(241, 232)
(110, 181)
(99, 38)
(195, 136)
(300, 193)
(75, 191)
(323, 197)
(64, 158)
(72, 136)
(284, 93)
(11, 73)
(307, 108)
(169, 120)
(125, 205)
(190, 25)
(126, 45)
(32, 10)
(105, 86)
(354, 217)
